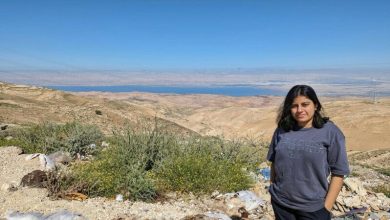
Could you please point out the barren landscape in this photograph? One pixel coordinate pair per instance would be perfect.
(363, 122)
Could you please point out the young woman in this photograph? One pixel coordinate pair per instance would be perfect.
(305, 149)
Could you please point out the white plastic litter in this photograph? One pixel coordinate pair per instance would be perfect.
(217, 215)
(65, 215)
(61, 215)
(252, 201)
(31, 156)
(119, 198)
(46, 162)
(24, 216)
(105, 144)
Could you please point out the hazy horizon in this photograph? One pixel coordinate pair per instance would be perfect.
(354, 82)
(191, 76)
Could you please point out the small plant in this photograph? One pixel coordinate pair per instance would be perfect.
(98, 112)
(59, 181)
(384, 171)
(385, 189)
(8, 105)
(354, 174)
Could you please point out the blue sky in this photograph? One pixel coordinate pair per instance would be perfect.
(164, 34)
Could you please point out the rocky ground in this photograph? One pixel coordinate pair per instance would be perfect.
(14, 197)
(253, 204)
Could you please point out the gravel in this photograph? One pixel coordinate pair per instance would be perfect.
(13, 167)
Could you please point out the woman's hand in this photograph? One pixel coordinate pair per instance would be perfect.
(336, 182)
(328, 207)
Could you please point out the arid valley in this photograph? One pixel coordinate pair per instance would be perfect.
(364, 123)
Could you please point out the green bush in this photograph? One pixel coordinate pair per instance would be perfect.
(205, 164)
(201, 173)
(124, 167)
(247, 151)
(107, 177)
(79, 138)
(7, 137)
(12, 142)
(48, 137)
(142, 162)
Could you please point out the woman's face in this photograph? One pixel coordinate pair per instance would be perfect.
(302, 110)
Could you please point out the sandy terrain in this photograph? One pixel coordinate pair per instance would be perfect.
(364, 123)
(20, 105)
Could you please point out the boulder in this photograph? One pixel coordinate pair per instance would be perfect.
(355, 185)
(352, 201)
(12, 150)
(36, 178)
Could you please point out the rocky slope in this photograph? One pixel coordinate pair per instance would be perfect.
(364, 123)
(250, 204)
(20, 105)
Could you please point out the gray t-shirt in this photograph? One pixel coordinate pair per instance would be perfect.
(303, 159)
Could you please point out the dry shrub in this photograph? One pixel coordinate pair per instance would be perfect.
(384, 188)
(141, 163)
(47, 137)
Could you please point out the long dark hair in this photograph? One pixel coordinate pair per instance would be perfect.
(286, 121)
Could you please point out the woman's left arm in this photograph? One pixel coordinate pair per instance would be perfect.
(336, 182)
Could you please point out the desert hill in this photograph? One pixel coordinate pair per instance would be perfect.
(21, 104)
(364, 123)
